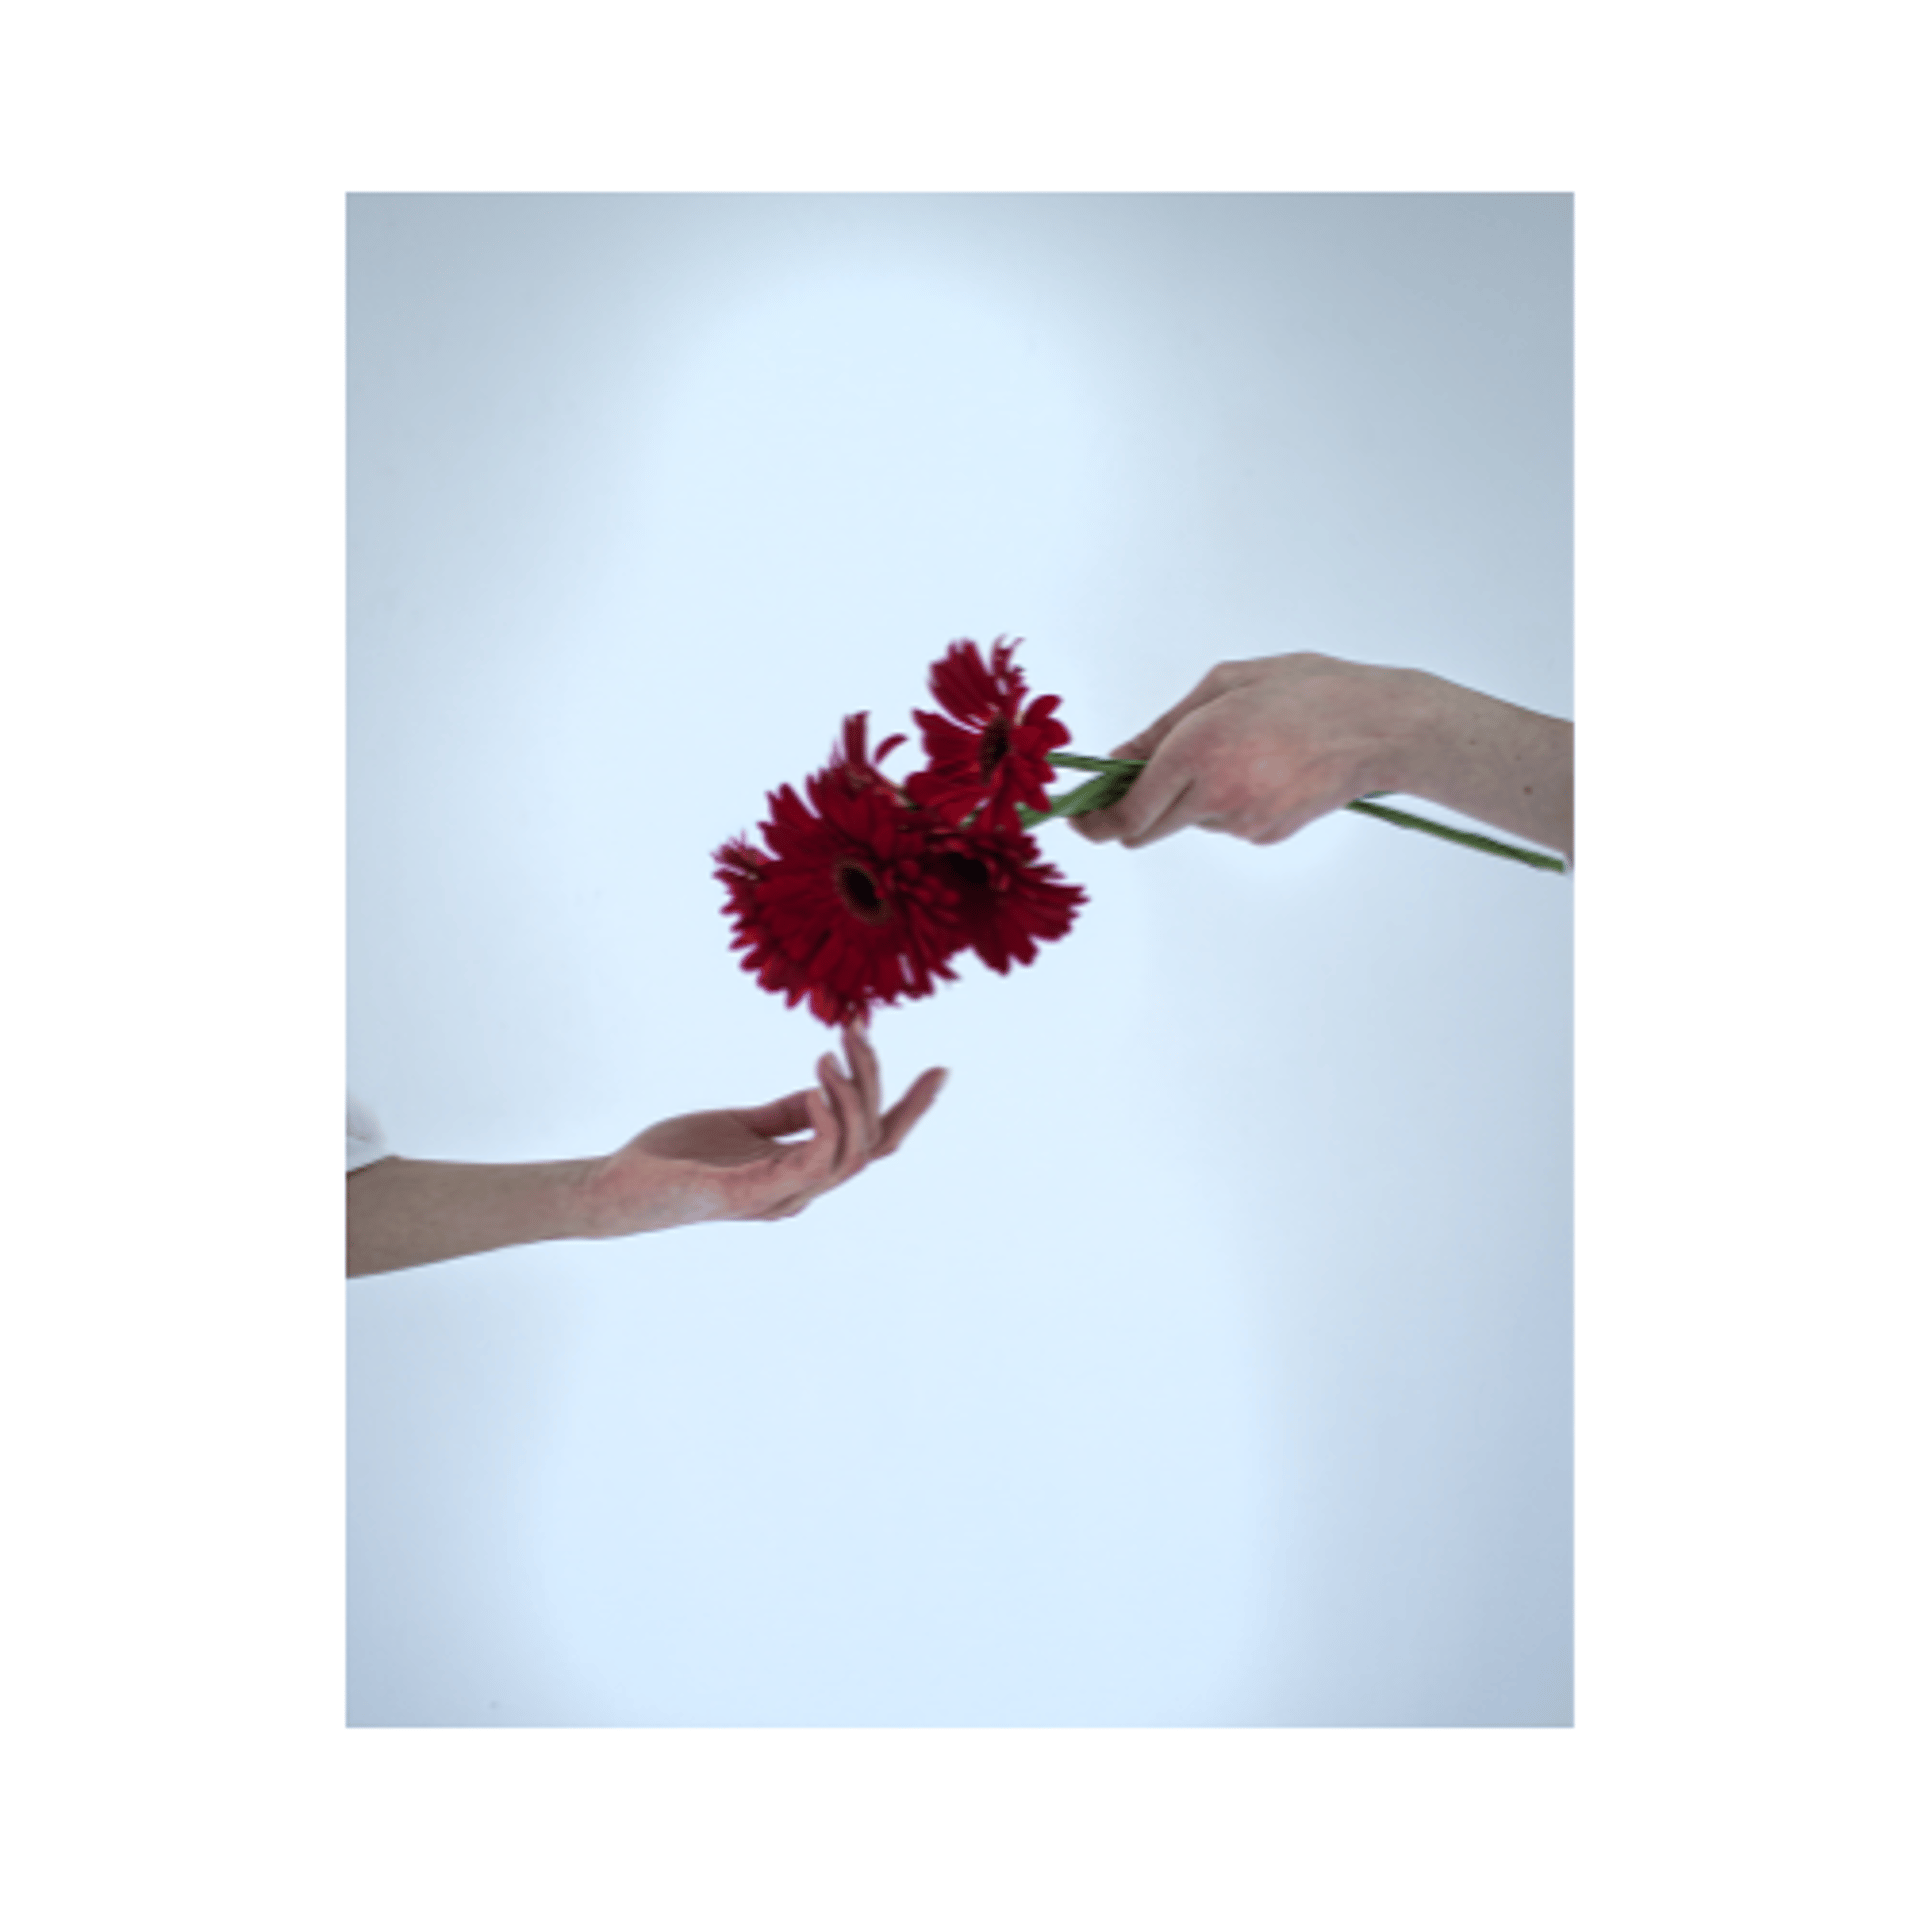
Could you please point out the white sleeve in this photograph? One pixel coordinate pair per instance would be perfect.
(365, 1142)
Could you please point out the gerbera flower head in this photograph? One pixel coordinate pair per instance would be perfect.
(1006, 898)
(848, 762)
(845, 909)
(987, 751)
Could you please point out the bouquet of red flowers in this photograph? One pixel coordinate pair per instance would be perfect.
(868, 889)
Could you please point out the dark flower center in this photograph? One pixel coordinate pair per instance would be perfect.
(994, 744)
(860, 894)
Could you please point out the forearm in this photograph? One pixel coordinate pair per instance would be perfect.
(1504, 765)
(410, 1213)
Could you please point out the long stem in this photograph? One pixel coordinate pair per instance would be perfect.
(1114, 777)
(1086, 763)
(1546, 862)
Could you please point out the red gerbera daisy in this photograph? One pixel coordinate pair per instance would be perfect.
(989, 754)
(1007, 899)
(846, 909)
(848, 762)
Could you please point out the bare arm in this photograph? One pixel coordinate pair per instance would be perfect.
(1506, 765)
(410, 1213)
(729, 1164)
(1261, 748)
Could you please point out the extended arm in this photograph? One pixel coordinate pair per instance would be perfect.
(729, 1164)
(1261, 748)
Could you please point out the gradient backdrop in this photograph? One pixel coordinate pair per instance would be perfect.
(1206, 1357)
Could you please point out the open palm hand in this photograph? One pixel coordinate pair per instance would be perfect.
(739, 1163)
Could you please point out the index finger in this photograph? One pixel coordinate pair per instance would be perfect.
(1134, 817)
(1179, 807)
(866, 1071)
(1220, 678)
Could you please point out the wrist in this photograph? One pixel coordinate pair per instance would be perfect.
(1415, 720)
(586, 1201)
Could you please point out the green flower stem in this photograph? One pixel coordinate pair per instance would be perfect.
(1114, 777)
(1086, 763)
(1546, 862)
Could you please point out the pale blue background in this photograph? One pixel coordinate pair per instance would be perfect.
(1206, 1358)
